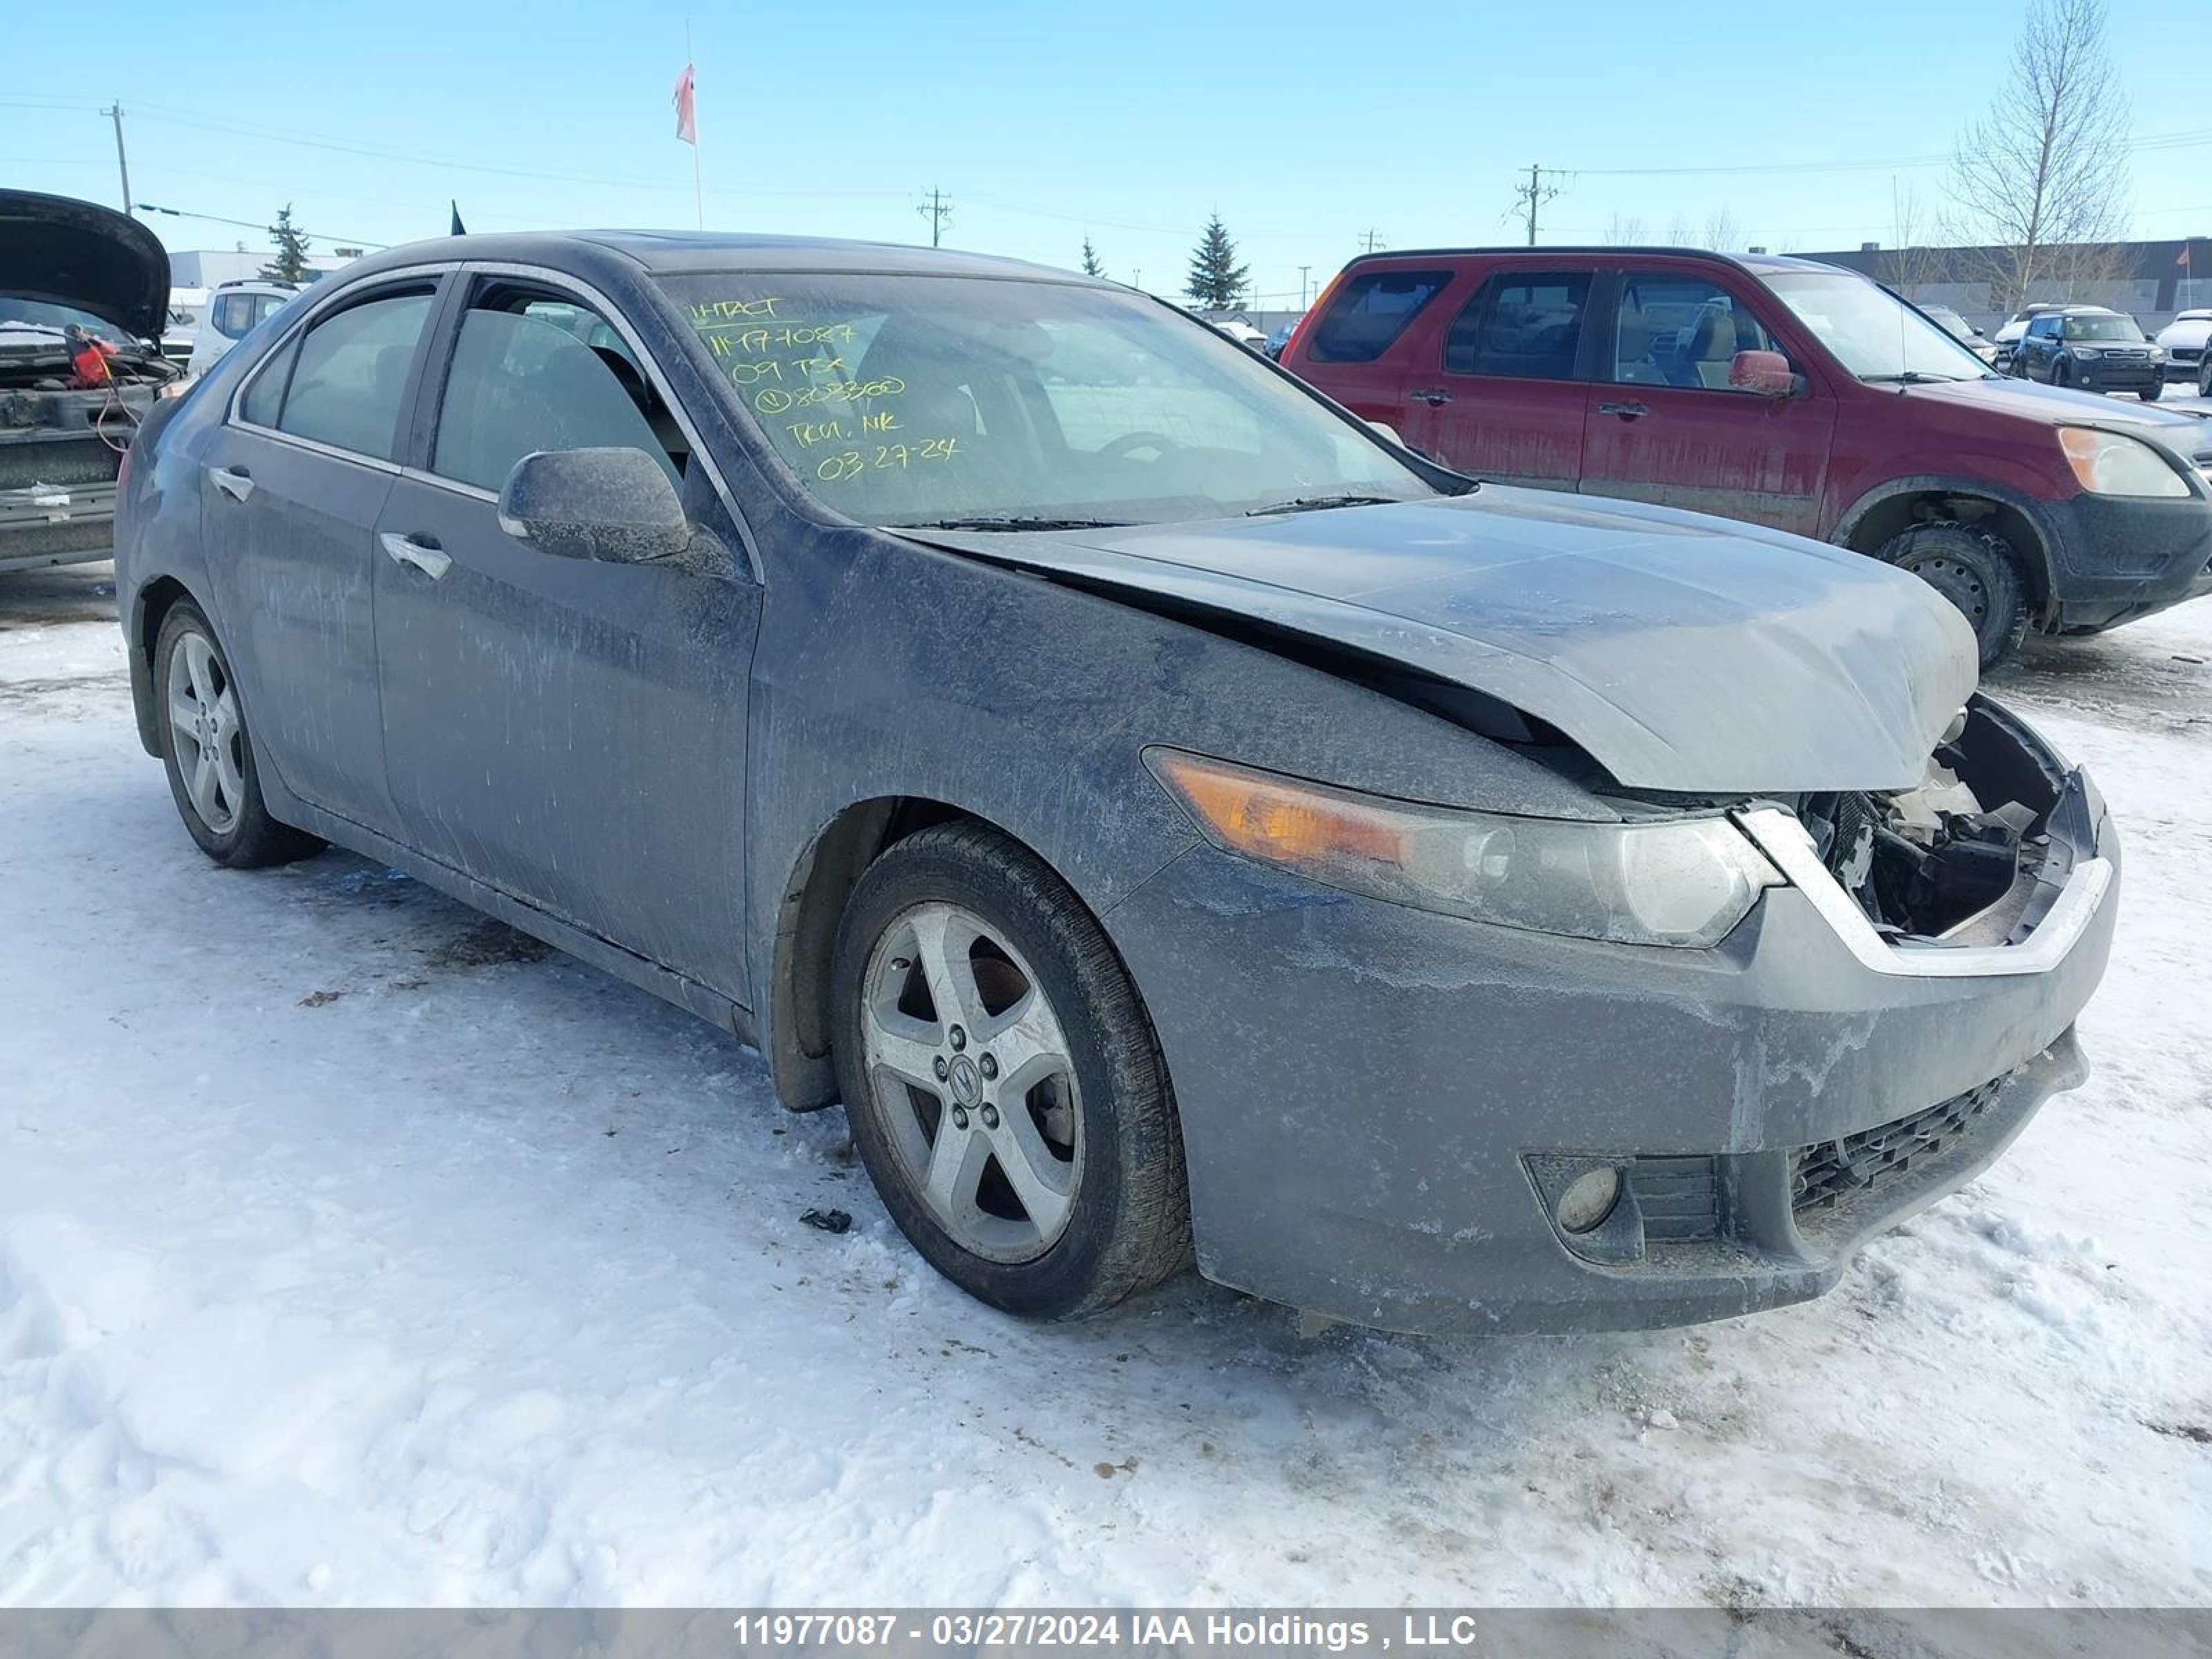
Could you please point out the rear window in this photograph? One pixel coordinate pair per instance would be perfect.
(1370, 311)
(1520, 326)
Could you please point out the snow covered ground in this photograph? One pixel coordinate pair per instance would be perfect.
(354, 1250)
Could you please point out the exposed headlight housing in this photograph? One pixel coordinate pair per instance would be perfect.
(2113, 464)
(2085, 352)
(1682, 882)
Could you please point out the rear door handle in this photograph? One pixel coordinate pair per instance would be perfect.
(1626, 411)
(423, 555)
(234, 482)
(1432, 397)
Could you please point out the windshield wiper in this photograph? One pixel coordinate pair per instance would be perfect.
(1321, 504)
(1915, 377)
(1014, 521)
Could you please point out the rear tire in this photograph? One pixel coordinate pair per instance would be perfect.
(1043, 1173)
(208, 750)
(1977, 571)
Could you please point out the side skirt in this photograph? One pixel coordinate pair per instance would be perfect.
(647, 975)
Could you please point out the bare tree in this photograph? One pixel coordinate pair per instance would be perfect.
(1680, 232)
(1624, 231)
(1909, 264)
(2041, 181)
(1722, 231)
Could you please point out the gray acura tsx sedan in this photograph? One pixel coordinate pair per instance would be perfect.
(1176, 821)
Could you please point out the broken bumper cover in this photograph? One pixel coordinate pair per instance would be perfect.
(1381, 1106)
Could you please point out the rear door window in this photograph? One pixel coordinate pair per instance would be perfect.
(1370, 311)
(351, 374)
(1681, 331)
(1525, 325)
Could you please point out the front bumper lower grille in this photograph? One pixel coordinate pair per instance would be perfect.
(1830, 1173)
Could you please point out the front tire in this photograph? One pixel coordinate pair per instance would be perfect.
(2205, 373)
(1003, 1085)
(209, 752)
(1975, 570)
(2154, 392)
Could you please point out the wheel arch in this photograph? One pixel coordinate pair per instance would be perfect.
(150, 607)
(1891, 509)
(796, 1031)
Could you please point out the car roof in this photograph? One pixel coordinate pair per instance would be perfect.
(1751, 262)
(674, 251)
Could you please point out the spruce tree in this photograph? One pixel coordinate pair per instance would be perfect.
(1216, 278)
(1091, 265)
(290, 262)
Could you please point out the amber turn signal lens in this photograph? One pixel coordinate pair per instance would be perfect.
(1274, 818)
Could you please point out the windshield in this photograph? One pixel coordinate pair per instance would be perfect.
(1873, 334)
(47, 317)
(904, 400)
(2100, 328)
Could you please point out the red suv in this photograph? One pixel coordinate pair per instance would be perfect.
(1782, 391)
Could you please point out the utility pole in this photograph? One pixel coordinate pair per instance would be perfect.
(938, 210)
(1369, 242)
(1302, 286)
(122, 165)
(1534, 194)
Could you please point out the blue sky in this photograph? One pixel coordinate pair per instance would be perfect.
(1306, 126)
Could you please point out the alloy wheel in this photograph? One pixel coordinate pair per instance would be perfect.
(972, 1076)
(207, 737)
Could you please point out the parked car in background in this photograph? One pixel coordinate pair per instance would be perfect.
(1963, 333)
(2092, 348)
(1241, 331)
(2183, 341)
(181, 331)
(1278, 339)
(84, 299)
(1782, 391)
(2007, 338)
(1171, 819)
(233, 309)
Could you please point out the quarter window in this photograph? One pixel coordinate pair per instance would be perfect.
(1520, 326)
(351, 374)
(1370, 312)
(544, 375)
(1682, 331)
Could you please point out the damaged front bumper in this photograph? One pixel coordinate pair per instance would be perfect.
(1382, 1108)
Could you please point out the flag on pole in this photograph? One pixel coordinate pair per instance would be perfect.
(2184, 260)
(687, 121)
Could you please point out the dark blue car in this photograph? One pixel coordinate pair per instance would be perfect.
(1176, 821)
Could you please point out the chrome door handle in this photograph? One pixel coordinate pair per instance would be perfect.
(1626, 411)
(234, 482)
(405, 550)
(1432, 397)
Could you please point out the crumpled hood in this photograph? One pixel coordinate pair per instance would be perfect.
(63, 251)
(1684, 653)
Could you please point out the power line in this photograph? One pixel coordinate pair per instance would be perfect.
(248, 224)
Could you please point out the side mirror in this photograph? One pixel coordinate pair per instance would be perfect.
(614, 505)
(1764, 373)
(1388, 431)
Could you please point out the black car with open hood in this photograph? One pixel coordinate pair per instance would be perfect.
(84, 293)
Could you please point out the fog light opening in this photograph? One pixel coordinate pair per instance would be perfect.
(1587, 1200)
